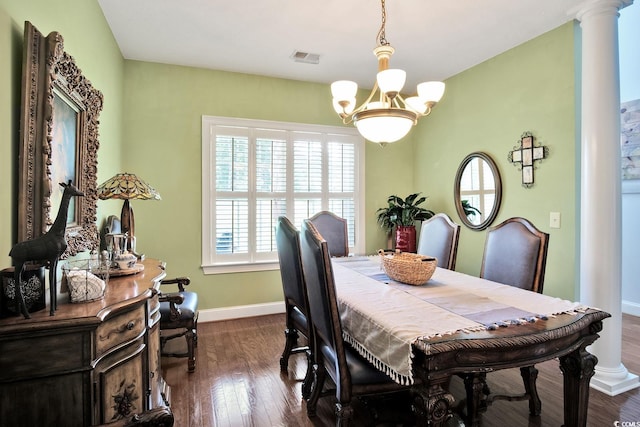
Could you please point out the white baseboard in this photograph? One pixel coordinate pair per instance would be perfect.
(632, 308)
(236, 312)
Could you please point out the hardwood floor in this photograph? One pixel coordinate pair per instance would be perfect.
(238, 383)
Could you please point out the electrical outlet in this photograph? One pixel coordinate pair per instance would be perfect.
(554, 219)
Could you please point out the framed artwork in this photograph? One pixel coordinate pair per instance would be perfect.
(58, 142)
(65, 131)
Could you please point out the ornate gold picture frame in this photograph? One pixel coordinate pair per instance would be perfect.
(51, 78)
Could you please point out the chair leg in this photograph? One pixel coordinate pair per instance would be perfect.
(195, 335)
(191, 339)
(308, 378)
(291, 339)
(191, 344)
(529, 376)
(316, 389)
(344, 414)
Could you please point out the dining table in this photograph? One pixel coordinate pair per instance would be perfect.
(458, 324)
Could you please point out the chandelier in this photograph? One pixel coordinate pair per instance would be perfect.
(387, 116)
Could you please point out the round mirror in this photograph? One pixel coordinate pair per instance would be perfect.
(477, 191)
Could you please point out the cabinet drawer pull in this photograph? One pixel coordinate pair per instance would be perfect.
(130, 325)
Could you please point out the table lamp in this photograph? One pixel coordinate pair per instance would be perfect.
(127, 186)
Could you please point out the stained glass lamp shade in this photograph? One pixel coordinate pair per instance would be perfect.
(127, 186)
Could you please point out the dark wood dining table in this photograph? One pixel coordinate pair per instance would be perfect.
(457, 324)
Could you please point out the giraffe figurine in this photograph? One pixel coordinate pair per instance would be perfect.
(46, 248)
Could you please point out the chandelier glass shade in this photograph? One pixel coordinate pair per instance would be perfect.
(385, 116)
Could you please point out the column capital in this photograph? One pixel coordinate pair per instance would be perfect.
(596, 7)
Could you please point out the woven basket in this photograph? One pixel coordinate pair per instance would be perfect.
(409, 268)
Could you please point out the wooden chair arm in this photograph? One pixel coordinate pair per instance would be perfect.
(180, 281)
(174, 299)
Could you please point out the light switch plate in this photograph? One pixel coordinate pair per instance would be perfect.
(554, 219)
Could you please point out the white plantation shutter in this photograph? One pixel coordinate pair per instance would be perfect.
(342, 184)
(307, 176)
(256, 171)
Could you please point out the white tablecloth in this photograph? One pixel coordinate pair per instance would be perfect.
(382, 318)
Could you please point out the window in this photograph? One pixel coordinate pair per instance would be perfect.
(255, 171)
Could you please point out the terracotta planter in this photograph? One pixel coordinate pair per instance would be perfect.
(406, 238)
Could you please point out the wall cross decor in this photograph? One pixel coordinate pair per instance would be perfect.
(525, 154)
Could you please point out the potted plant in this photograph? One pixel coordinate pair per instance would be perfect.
(402, 215)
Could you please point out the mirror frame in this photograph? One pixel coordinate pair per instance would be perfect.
(498, 184)
(49, 71)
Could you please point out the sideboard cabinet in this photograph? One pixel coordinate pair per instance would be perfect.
(89, 364)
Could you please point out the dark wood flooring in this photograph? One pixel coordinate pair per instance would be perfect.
(238, 383)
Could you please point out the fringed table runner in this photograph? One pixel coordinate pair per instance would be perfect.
(382, 318)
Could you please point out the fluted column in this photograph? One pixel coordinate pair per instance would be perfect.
(600, 210)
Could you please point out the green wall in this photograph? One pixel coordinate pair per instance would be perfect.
(487, 108)
(162, 140)
(151, 123)
(89, 40)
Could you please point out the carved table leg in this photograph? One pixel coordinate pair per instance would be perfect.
(529, 375)
(475, 386)
(577, 367)
(432, 402)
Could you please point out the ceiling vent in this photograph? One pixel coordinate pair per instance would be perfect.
(306, 57)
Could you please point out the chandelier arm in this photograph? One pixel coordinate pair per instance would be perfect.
(429, 106)
(364, 104)
(404, 104)
(347, 119)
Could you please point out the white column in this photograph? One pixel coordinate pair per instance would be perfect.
(600, 210)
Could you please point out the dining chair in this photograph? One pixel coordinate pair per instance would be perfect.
(295, 297)
(439, 237)
(351, 374)
(515, 254)
(179, 318)
(334, 230)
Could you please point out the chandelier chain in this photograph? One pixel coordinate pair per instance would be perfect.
(382, 36)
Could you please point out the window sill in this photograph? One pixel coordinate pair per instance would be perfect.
(239, 268)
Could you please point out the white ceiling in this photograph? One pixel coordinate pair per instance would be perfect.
(434, 39)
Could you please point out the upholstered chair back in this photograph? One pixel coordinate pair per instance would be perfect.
(515, 254)
(439, 237)
(334, 230)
